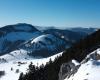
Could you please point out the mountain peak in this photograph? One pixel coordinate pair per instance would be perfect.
(19, 27)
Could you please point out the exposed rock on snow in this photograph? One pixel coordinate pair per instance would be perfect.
(68, 69)
(89, 68)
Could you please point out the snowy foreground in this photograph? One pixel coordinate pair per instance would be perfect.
(89, 69)
(12, 66)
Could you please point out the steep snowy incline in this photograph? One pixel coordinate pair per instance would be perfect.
(89, 68)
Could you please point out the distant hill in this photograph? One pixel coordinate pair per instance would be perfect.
(11, 36)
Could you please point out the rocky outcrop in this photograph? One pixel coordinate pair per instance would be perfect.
(88, 67)
(67, 69)
(94, 56)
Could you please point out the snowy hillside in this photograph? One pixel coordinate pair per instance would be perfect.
(42, 46)
(45, 45)
(15, 55)
(89, 68)
(15, 67)
(12, 36)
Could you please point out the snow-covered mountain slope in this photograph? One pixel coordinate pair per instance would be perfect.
(15, 55)
(15, 67)
(45, 45)
(42, 46)
(12, 36)
(89, 68)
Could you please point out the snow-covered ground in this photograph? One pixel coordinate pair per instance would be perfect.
(16, 55)
(14, 65)
(89, 69)
(42, 38)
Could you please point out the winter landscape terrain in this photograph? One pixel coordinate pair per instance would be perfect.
(89, 68)
(22, 45)
(21, 65)
(49, 39)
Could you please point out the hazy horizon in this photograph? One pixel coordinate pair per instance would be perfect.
(55, 27)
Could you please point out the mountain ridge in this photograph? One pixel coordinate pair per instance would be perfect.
(12, 36)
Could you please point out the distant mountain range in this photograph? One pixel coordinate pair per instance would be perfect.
(49, 41)
(38, 43)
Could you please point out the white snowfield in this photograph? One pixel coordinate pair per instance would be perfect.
(42, 38)
(16, 55)
(50, 44)
(46, 42)
(14, 65)
(89, 70)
